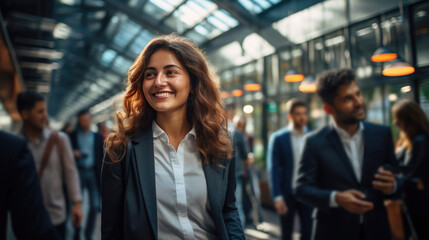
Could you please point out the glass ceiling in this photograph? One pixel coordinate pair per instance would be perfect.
(257, 6)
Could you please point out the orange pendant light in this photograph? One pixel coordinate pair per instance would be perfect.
(293, 76)
(308, 85)
(398, 67)
(383, 55)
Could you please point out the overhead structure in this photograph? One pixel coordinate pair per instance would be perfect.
(78, 52)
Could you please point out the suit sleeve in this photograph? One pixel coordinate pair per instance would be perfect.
(307, 185)
(273, 158)
(30, 219)
(112, 200)
(229, 211)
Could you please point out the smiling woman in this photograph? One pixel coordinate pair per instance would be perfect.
(176, 182)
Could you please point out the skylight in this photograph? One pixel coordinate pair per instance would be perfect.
(257, 6)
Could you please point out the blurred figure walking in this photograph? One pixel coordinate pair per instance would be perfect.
(53, 156)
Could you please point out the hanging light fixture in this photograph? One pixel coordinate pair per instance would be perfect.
(293, 76)
(252, 86)
(398, 67)
(237, 92)
(308, 85)
(224, 94)
(384, 54)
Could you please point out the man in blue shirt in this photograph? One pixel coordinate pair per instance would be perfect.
(88, 152)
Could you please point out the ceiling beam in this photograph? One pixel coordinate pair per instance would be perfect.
(139, 17)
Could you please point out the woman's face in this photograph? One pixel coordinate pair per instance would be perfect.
(166, 84)
(397, 122)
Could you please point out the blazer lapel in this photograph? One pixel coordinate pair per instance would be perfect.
(145, 171)
(338, 146)
(366, 164)
(214, 179)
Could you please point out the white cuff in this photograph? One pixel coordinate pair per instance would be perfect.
(332, 202)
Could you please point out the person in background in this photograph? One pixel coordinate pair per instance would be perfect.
(284, 152)
(241, 156)
(103, 130)
(166, 174)
(54, 160)
(251, 192)
(88, 152)
(344, 166)
(414, 162)
(21, 195)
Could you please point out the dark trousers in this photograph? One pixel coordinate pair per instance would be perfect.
(88, 182)
(61, 230)
(287, 220)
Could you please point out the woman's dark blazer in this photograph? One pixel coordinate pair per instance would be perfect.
(129, 208)
(418, 169)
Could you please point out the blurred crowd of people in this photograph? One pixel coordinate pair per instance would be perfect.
(336, 179)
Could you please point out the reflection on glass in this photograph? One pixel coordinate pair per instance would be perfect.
(424, 95)
(421, 33)
(392, 27)
(374, 105)
(365, 37)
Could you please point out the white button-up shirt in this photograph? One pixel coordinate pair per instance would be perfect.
(181, 189)
(354, 148)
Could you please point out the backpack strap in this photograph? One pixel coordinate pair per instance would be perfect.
(53, 139)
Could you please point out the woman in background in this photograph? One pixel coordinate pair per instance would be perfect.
(414, 131)
(177, 182)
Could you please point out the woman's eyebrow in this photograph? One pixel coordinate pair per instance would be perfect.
(165, 67)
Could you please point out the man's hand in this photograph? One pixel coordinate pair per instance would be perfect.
(77, 154)
(351, 201)
(250, 159)
(280, 206)
(385, 181)
(76, 214)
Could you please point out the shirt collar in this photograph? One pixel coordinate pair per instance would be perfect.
(293, 131)
(345, 135)
(158, 132)
(43, 137)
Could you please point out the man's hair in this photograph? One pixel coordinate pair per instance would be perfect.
(83, 112)
(294, 103)
(27, 99)
(329, 82)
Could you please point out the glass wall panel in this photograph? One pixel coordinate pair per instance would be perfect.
(317, 116)
(316, 56)
(424, 95)
(421, 33)
(285, 66)
(394, 93)
(272, 75)
(374, 104)
(336, 54)
(365, 39)
(392, 27)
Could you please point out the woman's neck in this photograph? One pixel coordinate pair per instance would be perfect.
(175, 125)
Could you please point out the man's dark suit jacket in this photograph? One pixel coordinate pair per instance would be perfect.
(418, 168)
(98, 151)
(20, 193)
(129, 207)
(280, 156)
(325, 167)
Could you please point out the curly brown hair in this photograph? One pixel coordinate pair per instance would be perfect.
(204, 109)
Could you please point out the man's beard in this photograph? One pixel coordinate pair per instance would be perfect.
(351, 119)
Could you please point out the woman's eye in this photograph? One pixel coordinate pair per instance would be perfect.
(149, 74)
(171, 72)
